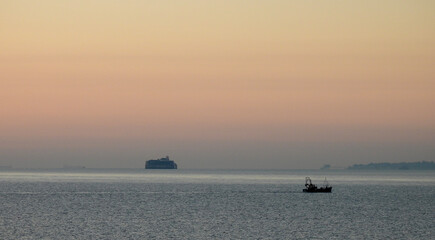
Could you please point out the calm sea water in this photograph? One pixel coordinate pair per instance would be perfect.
(198, 204)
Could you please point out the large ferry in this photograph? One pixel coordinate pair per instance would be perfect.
(162, 163)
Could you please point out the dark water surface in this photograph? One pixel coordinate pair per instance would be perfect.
(199, 204)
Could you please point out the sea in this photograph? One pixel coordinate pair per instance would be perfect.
(215, 204)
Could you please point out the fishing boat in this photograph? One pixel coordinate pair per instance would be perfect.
(310, 187)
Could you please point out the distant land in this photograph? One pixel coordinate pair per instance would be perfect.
(73, 167)
(395, 166)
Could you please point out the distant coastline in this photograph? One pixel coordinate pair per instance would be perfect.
(73, 167)
(395, 166)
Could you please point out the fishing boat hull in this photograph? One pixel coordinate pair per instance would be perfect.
(327, 189)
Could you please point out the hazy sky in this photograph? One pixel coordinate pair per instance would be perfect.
(274, 84)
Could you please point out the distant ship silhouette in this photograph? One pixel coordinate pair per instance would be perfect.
(162, 163)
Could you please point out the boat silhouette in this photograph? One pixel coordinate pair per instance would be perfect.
(310, 187)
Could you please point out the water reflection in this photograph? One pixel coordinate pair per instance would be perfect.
(337, 177)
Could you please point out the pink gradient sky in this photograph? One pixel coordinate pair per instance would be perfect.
(216, 84)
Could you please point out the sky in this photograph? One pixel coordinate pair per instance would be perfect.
(257, 84)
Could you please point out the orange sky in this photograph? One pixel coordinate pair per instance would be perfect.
(267, 71)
